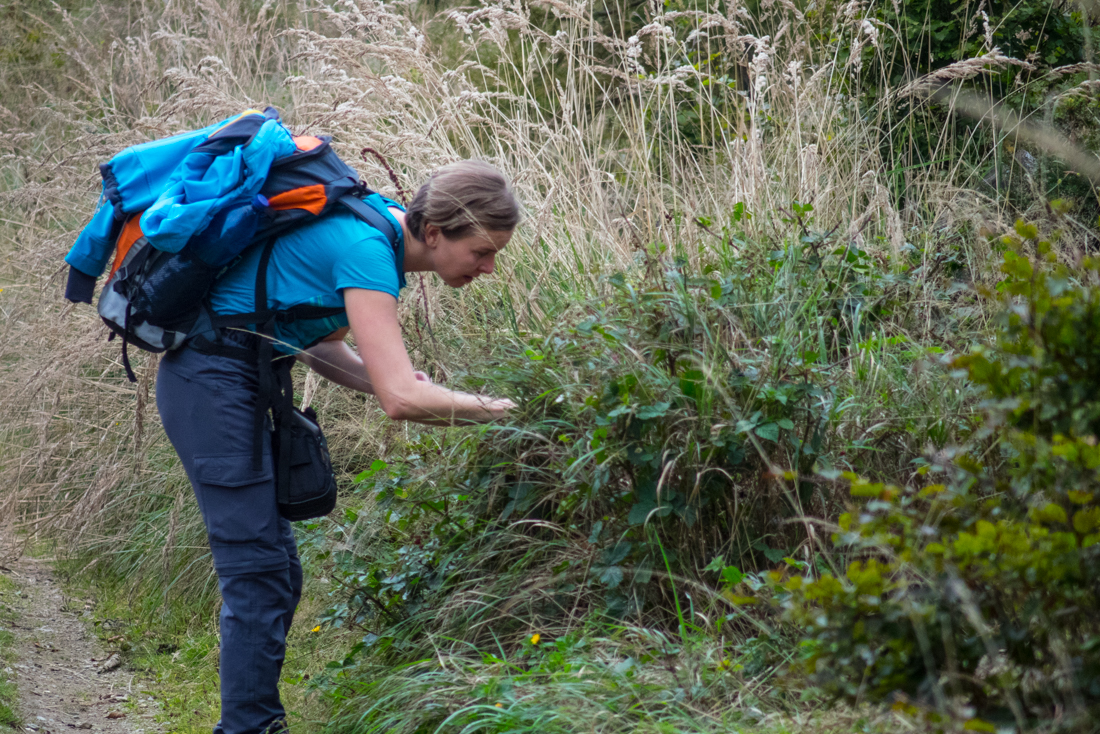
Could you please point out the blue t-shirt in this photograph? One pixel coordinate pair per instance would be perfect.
(312, 265)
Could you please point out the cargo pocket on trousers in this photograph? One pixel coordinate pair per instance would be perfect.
(238, 505)
(231, 471)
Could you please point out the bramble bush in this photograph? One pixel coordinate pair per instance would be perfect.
(975, 596)
(653, 418)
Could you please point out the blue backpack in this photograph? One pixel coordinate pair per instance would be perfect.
(177, 212)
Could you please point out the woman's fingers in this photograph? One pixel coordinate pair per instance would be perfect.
(500, 407)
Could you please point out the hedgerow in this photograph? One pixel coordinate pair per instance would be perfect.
(972, 593)
(671, 420)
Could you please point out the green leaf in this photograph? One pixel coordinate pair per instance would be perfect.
(1053, 513)
(1086, 520)
(639, 512)
(648, 412)
(732, 575)
(1026, 230)
(595, 535)
(612, 576)
(775, 555)
(786, 424)
(616, 553)
(769, 431)
(691, 384)
(376, 466)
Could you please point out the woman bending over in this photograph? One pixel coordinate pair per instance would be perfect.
(455, 226)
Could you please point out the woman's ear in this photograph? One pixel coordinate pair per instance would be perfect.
(432, 235)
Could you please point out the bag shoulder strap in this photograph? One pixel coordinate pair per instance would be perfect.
(272, 394)
(371, 216)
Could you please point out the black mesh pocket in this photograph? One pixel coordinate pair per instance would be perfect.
(171, 288)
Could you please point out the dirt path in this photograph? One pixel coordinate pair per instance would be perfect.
(67, 680)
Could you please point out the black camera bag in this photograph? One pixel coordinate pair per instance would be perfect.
(305, 483)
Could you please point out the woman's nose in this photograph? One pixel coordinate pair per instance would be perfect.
(489, 265)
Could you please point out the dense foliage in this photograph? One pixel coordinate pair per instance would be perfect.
(660, 422)
(926, 35)
(754, 247)
(980, 590)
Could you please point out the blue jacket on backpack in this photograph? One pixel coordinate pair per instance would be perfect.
(178, 189)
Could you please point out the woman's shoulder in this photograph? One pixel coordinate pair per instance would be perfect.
(338, 231)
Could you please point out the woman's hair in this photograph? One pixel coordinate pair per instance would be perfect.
(462, 198)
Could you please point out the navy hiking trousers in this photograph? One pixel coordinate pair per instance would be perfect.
(207, 405)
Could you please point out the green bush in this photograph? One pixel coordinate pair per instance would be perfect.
(977, 595)
(654, 417)
(931, 34)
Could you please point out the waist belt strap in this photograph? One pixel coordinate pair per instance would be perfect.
(283, 410)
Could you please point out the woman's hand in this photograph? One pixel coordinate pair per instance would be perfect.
(500, 407)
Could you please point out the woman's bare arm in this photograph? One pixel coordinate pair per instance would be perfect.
(334, 360)
(388, 371)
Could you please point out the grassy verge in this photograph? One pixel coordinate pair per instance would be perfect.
(173, 645)
(9, 696)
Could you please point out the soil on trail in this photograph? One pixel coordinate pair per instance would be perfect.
(67, 680)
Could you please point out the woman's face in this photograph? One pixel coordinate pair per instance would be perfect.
(459, 261)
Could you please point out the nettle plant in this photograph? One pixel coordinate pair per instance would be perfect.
(976, 596)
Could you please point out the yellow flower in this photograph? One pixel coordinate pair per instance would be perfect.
(535, 639)
(316, 629)
(498, 705)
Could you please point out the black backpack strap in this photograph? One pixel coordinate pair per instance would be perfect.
(280, 316)
(276, 390)
(371, 216)
(284, 409)
(265, 397)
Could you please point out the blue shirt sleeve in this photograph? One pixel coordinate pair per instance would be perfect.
(371, 263)
(368, 264)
